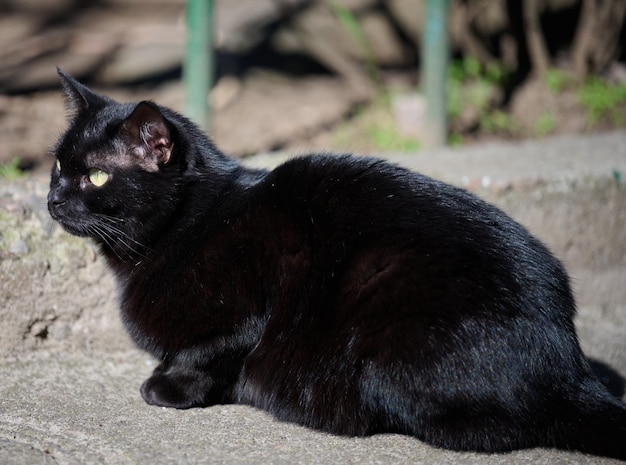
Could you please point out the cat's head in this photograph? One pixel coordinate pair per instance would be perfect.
(117, 171)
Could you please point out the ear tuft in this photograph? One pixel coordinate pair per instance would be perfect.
(78, 97)
(147, 132)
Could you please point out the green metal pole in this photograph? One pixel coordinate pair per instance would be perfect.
(435, 52)
(198, 65)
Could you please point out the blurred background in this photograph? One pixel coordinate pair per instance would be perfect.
(302, 75)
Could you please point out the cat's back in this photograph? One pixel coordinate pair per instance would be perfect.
(346, 187)
(356, 217)
(359, 196)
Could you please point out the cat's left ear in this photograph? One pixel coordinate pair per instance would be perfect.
(146, 132)
(78, 97)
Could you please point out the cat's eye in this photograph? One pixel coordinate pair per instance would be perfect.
(97, 177)
(58, 165)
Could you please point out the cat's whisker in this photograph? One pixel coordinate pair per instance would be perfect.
(117, 235)
(113, 241)
(112, 237)
(123, 238)
(106, 238)
(110, 218)
(49, 225)
(117, 230)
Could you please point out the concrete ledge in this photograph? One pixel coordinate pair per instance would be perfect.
(69, 377)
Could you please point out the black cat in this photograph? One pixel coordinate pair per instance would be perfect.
(342, 293)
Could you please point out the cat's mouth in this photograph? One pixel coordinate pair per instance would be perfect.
(73, 228)
(71, 225)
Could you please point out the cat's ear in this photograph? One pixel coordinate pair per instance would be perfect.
(78, 97)
(147, 133)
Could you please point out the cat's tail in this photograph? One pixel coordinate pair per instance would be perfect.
(594, 424)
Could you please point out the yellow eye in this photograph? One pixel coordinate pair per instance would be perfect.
(98, 177)
(58, 165)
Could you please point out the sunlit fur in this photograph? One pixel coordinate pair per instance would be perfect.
(341, 293)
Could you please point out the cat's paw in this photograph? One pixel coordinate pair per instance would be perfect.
(180, 392)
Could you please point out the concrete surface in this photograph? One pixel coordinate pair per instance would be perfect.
(72, 397)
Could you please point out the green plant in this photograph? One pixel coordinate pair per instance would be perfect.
(372, 128)
(454, 95)
(388, 139)
(602, 99)
(455, 140)
(352, 26)
(617, 177)
(11, 169)
(495, 73)
(556, 80)
(545, 124)
(479, 93)
(467, 86)
(469, 68)
(473, 86)
(497, 121)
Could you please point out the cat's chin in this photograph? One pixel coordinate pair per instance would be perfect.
(71, 225)
(75, 229)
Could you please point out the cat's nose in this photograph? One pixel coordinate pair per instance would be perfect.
(55, 199)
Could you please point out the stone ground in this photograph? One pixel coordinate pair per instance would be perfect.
(69, 376)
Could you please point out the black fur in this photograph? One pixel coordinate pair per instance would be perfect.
(342, 293)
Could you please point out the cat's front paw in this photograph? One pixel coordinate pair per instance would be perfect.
(175, 391)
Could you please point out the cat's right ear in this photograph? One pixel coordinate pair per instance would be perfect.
(78, 97)
(147, 133)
